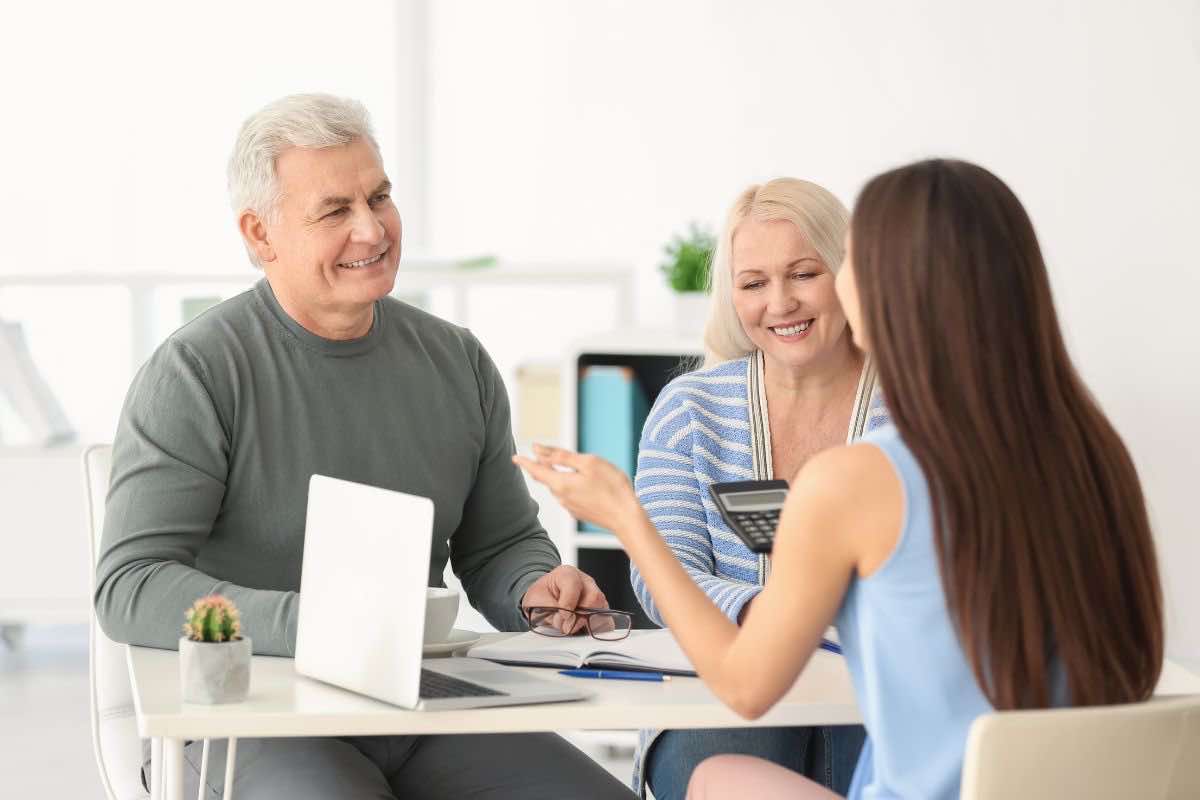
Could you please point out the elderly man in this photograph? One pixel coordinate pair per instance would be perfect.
(317, 370)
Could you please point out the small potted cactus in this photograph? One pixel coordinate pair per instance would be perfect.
(214, 657)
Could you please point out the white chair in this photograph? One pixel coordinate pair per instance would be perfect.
(1149, 751)
(114, 726)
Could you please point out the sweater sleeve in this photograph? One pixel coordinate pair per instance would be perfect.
(499, 549)
(671, 490)
(169, 468)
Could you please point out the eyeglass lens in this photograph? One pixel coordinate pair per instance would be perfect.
(560, 622)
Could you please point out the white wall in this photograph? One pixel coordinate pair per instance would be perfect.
(597, 129)
(119, 119)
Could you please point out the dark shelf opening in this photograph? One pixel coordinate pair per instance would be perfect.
(610, 569)
(652, 372)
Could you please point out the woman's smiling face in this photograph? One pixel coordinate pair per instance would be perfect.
(784, 294)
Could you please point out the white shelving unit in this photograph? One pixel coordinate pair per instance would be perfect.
(656, 356)
(415, 276)
(597, 548)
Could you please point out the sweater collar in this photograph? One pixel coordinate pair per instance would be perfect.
(331, 347)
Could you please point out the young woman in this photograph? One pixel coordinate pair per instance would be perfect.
(782, 381)
(988, 550)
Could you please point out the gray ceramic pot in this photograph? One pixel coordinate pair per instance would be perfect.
(214, 672)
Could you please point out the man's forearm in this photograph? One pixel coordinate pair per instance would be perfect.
(495, 585)
(143, 603)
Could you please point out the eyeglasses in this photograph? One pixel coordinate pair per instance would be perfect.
(605, 624)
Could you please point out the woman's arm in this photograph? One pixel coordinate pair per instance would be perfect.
(839, 509)
(672, 476)
(838, 512)
(668, 490)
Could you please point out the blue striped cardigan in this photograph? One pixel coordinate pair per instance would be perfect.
(711, 426)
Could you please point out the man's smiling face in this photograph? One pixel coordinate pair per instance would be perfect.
(336, 236)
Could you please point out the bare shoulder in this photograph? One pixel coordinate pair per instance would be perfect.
(849, 471)
(856, 492)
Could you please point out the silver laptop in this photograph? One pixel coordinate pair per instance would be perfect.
(362, 607)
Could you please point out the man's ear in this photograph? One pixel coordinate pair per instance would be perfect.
(254, 231)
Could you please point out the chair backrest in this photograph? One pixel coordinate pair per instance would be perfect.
(114, 726)
(1146, 750)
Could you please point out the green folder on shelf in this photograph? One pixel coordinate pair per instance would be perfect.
(612, 411)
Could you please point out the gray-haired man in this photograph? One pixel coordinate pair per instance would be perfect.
(317, 370)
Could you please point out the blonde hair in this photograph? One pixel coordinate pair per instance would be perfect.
(818, 215)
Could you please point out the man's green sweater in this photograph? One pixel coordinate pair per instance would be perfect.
(229, 418)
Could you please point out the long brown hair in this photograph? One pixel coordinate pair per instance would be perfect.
(1043, 539)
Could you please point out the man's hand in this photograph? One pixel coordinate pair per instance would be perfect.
(565, 587)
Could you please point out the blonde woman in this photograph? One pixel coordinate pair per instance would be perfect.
(782, 381)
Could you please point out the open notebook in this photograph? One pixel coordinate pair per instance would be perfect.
(649, 651)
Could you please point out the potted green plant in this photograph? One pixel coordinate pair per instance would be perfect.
(686, 269)
(214, 656)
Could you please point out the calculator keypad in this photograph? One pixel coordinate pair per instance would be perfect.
(759, 526)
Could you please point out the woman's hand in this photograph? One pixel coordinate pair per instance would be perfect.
(590, 488)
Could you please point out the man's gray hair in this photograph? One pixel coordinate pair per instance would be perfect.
(298, 120)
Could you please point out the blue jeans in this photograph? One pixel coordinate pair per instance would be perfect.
(827, 755)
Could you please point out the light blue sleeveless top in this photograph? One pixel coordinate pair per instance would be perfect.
(914, 685)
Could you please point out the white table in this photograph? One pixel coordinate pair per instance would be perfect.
(282, 703)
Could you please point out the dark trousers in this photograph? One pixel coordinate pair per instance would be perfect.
(482, 767)
(827, 755)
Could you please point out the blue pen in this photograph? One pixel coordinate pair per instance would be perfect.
(615, 674)
(832, 647)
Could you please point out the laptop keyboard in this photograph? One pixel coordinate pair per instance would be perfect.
(436, 686)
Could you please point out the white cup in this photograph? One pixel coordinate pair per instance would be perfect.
(441, 609)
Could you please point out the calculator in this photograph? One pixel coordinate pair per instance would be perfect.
(751, 509)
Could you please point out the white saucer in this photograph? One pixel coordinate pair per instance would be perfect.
(458, 640)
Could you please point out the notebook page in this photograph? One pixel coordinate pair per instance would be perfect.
(648, 650)
(652, 650)
(533, 648)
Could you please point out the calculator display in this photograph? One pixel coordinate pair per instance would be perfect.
(755, 501)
